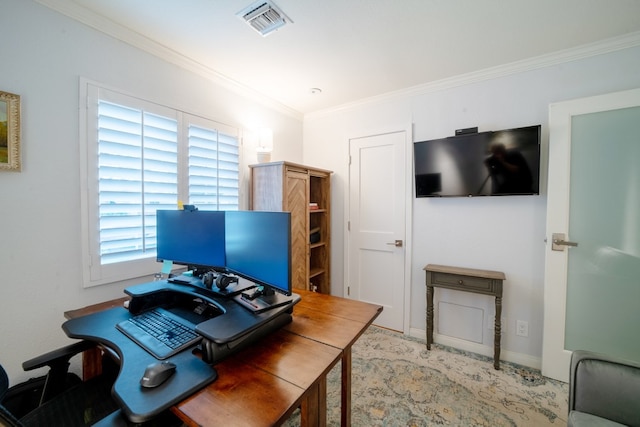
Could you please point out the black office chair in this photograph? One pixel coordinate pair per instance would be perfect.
(61, 399)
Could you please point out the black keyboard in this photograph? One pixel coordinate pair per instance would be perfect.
(160, 332)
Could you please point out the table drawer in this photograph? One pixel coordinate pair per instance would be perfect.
(460, 282)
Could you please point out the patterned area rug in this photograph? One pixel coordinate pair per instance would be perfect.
(397, 382)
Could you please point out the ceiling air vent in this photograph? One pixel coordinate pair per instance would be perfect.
(264, 17)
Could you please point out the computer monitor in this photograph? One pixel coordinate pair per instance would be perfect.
(192, 238)
(258, 249)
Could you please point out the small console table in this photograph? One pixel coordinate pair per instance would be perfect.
(469, 280)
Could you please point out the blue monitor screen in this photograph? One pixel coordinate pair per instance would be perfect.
(191, 237)
(259, 247)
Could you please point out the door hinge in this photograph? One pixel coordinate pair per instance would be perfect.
(348, 290)
(348, 225)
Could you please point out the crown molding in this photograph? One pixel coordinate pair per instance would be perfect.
(119, 32)
(568, 55)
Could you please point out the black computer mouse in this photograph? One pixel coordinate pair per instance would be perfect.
(157, 373)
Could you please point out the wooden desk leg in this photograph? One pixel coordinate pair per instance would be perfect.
(309, 408)
(91, 363)
(498, 333)
(322, 401)
(345, 413)
(429, 316)
(313, 410)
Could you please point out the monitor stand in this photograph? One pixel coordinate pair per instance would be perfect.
(258, 301)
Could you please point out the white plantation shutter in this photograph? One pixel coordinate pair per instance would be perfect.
(228, 173)
(141, 157)
(137, 174)
(213, 169)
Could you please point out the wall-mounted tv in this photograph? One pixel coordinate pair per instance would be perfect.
(495, 163)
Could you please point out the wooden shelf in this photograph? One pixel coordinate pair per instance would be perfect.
(315, 272)
(290, 187)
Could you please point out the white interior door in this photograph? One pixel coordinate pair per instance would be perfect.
(376, 267)
(592, 289)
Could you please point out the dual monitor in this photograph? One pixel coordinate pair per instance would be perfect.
(254, 245)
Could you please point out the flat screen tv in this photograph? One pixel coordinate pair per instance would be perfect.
(495, 163)
(192, 238)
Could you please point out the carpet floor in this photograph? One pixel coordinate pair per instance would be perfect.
(397, 382)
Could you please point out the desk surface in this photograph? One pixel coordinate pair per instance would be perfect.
(263, 384)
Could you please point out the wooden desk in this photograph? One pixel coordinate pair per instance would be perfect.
(263, 384)
(469, 280)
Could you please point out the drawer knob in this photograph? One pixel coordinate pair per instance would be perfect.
(460, 282)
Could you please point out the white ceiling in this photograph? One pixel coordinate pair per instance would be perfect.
(356, 49)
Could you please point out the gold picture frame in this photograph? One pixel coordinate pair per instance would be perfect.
(9, 132)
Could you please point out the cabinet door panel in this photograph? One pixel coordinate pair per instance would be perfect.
(296, 203)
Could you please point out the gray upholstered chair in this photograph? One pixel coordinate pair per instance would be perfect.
(603, 391)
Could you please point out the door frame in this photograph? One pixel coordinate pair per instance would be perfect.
(408, 241)
(555, 358)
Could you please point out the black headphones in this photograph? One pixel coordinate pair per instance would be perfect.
(208, 279)
(224, 280)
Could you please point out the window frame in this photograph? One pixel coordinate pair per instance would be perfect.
(94, 273)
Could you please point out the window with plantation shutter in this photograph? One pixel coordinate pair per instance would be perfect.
(141, 157)
(137, 174)
(213, 169)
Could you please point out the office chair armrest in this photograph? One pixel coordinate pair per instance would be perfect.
(58, 363)
(58, 356)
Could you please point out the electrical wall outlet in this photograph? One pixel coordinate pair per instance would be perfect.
(522, 328)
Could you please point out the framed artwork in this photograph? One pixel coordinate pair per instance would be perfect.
(9, 132)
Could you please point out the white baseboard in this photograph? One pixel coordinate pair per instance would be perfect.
(505, 355)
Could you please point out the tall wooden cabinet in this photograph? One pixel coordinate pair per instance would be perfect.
(306, 193)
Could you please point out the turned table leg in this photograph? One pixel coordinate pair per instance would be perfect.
(498, 333)
(429, 316)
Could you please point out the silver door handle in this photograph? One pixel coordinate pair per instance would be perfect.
(397, 243)
(558, 242)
